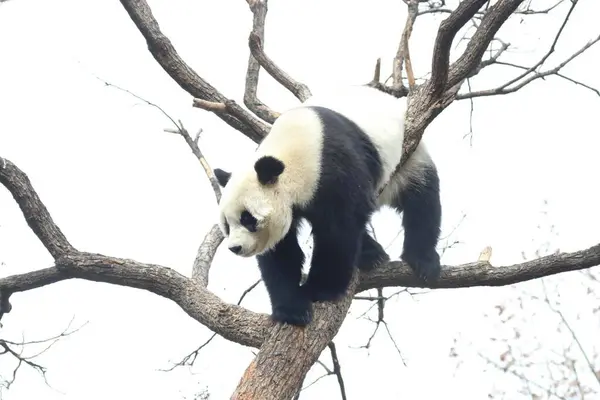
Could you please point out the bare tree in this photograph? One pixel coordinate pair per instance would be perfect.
(297, 349)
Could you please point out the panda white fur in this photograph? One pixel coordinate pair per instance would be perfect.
(326, 161)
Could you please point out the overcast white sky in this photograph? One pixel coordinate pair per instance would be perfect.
(117, 184)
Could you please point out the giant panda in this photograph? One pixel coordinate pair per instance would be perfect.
(330, 161)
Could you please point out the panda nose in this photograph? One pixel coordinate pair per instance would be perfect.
(236, 249)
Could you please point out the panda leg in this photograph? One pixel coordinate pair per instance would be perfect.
(281, 271)
(372, 254)
(422, 215)
(335, 253)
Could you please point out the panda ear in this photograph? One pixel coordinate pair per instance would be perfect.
(222, 176)
(268, 169)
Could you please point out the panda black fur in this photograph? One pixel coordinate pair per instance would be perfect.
(326, 161)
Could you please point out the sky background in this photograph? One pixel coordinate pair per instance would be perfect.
(117, 184)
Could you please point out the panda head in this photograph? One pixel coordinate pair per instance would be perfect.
(255, 214)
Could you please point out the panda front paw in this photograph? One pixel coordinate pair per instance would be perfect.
(297, 313)
(427, 267)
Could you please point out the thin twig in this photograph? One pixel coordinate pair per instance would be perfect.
(550, 51)
(554, 71)
(337, 369)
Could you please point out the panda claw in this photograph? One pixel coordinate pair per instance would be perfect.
(372, 254)
(370, 260)
(427, 268)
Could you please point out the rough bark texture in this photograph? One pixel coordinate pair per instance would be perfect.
(286, 352)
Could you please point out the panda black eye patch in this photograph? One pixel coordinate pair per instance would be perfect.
(248, 221)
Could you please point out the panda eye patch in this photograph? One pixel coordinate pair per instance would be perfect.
(248, 221)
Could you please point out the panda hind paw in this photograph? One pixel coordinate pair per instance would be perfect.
(369, 260)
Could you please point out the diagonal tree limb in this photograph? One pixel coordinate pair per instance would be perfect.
(206, 252)
(213, 239)
(435, 95)
(403, 55)
(490, 61)
(493, 19)
(36, 214)
(297, 349)
(167, 57)
(441, 51)
(237, 323)
(298, 89)
(259, 11)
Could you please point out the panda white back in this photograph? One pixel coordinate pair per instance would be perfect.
(378, 114)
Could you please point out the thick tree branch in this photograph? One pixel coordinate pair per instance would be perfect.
(230, 321)
(483, 273)
(300, 348)
(205, 255)
(490, 61)
(37, 216)
(297, 349)
(446, 33)
(165, 54)
(431, 98)
(298, 89)
(234, 322)
(230, 107)
(259, 11)
(493, 19)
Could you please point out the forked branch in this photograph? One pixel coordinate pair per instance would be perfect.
(491, 22)
(298, 89)
(446, 33)
(259, 12)
(403, 54)
(167, 57)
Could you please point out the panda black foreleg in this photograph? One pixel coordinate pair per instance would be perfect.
(372, 254)
(281, 271)
(422, 215)
(335, 253)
